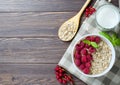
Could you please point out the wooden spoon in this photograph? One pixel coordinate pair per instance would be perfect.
(68, 29)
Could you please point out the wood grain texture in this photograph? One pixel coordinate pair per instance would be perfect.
(40, 5)
(43, 5)
(115, 2)
(31, 50)
(29, 74)
(32, 24)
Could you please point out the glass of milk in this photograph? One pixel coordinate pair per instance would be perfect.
(107, 18)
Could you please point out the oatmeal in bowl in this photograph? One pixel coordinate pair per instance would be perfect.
(93, 55)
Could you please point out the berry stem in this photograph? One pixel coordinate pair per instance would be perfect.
(63, 76)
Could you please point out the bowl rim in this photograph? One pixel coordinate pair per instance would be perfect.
(112, 59)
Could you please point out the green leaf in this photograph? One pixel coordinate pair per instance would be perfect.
(106, 35)
(86, 42)
(114, 36)
(113, 39)
(113, 43)
(94, 44)
(117, 42)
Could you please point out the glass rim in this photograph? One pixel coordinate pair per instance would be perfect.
(117, 11)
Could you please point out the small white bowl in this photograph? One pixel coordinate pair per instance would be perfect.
(112, 58)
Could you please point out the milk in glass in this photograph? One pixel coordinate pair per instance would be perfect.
(107, 17)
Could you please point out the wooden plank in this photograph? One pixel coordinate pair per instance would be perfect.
(32, 23)
(115, 2)
(40, 5)
(29, 74)
(31, 50)
(119, 3)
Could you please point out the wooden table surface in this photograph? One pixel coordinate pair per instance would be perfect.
(29, 45)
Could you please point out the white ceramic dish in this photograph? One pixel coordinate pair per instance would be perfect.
(112, 58)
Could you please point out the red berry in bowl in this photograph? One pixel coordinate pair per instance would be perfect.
(82, 44)
(86, 70)
(84, 51)
(89, 57)
(77, 55)
(88, 38)
(78, 47)
(77, 62)
(82, 66)
(88, 64)
(84, 59)
(97, 39)
(87, 46)
(92, 50)
(92, 38)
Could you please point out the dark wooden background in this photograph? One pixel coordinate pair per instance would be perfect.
(29, 45)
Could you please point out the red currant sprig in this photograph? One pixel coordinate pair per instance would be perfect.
(62, 76)
(89, 11)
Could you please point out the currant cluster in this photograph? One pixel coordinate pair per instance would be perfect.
(83, 54)
(89, 11)
(62, 76)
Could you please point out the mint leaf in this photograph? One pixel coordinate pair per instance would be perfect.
(115, 39)
(113, 43)
(117, 42)
(94, 44)
(86, 42)
(106, 35)
(114, 36)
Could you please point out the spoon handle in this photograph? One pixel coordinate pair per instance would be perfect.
(83, 8)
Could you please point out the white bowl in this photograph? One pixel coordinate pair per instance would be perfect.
(112, 58)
